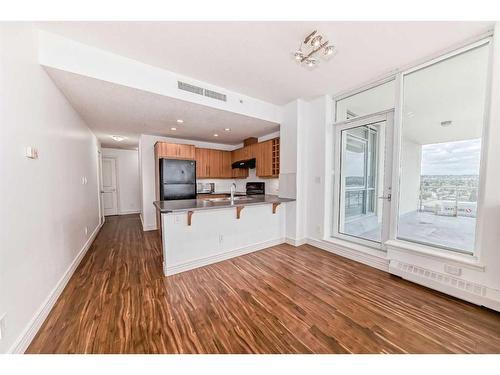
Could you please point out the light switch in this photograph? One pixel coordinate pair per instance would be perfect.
(31, 152)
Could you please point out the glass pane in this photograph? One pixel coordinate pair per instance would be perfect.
(443, 110)
(360, 214)
(376, 99)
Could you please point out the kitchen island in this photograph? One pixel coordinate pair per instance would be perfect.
(197, 232)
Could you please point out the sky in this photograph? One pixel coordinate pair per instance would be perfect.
(451, 158)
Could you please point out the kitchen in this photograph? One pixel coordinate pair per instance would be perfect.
(212, 204)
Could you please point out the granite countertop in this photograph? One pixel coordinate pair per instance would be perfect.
(184, 205)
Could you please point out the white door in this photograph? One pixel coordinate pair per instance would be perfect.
(363, 164)
(99, 177)
(109, 189)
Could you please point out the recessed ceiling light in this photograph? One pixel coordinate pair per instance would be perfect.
(180, 121)
(118, 138)
(216, 135)
(173, 128)
(227, 129)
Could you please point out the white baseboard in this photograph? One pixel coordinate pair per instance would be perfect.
(146, 228)
(295, 242)
(448, 284)
(358, 256)
(24, 340)
(129, 212)
(178, 268)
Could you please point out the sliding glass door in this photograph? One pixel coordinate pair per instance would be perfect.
(362, 158)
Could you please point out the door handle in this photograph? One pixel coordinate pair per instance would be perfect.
(388, 197)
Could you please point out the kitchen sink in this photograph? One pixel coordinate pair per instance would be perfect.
(228, 199)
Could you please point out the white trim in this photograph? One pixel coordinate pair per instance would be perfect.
(386, 116)
(200, 262)
(353, 252)
(485, 41)
(296, 242)
(391, 76)
(472, 292)
(129, 212)
(148, 227)
(31, 329)
(463, 260)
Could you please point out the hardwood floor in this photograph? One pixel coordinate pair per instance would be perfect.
(279, 300)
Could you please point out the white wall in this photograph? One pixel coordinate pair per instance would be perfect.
(45, 207)
(293, 154)
(411, 158)
(127, 168)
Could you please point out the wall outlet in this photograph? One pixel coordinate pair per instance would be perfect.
(221, 239)
(452, 270)
(86, 230)
(2, 326)
(177, 219)
(31, 152)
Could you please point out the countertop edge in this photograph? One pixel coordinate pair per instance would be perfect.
(269, 199)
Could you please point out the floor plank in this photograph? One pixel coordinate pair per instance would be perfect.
(279, 300)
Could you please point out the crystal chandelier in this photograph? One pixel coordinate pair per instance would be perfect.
(312, 47)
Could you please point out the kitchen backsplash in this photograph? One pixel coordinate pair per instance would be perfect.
(272, 184)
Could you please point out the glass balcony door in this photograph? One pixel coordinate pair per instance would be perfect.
(363, 163)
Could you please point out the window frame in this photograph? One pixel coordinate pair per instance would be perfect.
(396, 173)
(331, 216)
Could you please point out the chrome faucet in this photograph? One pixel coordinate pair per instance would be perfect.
(233, 189)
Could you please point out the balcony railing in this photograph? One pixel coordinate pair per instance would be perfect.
(448, 200)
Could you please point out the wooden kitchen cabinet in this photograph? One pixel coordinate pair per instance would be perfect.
(213, 163)
(264, 159)
(174, 151)
(227, 169)
(268, 158)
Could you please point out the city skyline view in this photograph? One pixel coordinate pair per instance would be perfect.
(451, 158)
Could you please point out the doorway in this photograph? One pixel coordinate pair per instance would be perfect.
(362, 183)
(109, 186)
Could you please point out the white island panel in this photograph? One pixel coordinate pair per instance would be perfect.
(215, 235)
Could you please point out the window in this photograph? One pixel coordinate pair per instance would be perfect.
(372, 100)
(442, 122)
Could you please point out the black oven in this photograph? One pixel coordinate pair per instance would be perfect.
(254, 188)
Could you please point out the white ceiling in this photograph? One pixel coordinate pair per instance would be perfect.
(111, 109)
(254, 58)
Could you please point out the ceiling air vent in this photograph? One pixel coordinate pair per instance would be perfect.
(191, 88)
(215, 95)
(201, 91)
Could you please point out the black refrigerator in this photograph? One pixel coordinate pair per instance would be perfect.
(177, 179)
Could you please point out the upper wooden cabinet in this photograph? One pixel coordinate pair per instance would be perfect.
(213, 163)
(264, 159)
(268, 158)
(174, 151)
